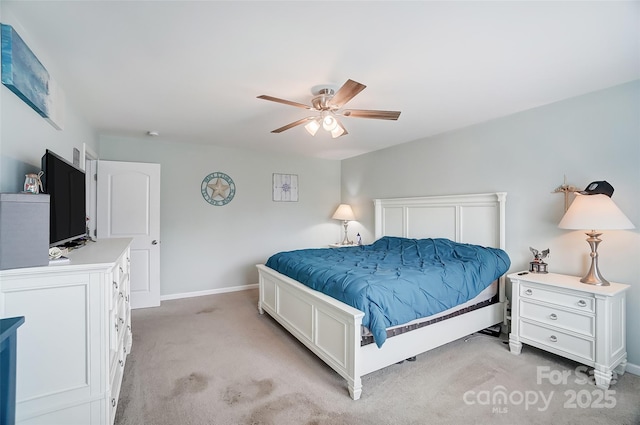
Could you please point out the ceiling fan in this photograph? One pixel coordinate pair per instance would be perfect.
(329, 103)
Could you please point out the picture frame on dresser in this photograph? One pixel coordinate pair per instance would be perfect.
(559, 314)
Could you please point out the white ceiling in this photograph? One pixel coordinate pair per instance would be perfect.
(192, 70)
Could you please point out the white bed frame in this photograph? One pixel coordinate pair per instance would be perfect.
(332, 329)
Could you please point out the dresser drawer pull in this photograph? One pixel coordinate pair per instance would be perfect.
(115, 284)
(113, 402)
(553, 316)
(121, 320)
(582, 303)
(121, 363)
(528, 292)
(116, 327)
(553, 338)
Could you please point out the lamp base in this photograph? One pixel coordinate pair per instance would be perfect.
(593, 276)
(346, 240)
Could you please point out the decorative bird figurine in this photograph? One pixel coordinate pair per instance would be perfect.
(539, 256)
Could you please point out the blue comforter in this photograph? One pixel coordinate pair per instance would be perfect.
(396, 280)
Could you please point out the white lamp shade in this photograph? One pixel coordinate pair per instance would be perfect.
(338, 131)
(312, 127)
(344, 212)
(594, 212)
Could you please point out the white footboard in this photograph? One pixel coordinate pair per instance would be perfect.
(329, 328)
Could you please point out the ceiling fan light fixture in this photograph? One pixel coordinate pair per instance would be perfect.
(329, 122)
(329, 103)
(312, 127)
(337, 132)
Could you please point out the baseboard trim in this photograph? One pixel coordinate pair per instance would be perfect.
(207, 292)
(633, 369)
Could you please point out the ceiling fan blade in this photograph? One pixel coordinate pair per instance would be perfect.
(346, 93)
(291, 125)
(286, 102)
(379, 115)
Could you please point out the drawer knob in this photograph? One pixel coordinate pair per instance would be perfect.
(582, 303)
(553, 338)
(113, 402)
(528, 292)
(553, 316)
(115, 284)
(116, 327)
(121, 363)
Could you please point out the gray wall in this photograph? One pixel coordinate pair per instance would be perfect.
(208, 248)
(25, 135)
(588, 138)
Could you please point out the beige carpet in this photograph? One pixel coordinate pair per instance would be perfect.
(215, 360)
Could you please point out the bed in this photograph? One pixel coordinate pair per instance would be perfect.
(334, 330)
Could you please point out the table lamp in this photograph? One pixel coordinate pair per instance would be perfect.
(344, 213)
(593, 212)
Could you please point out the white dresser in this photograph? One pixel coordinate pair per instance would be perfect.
(73, 345)
(562, 315)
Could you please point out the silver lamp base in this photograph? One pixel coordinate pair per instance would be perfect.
(593, 276)
(346, 240)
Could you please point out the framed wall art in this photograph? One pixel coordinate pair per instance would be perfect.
(285, 187)
(24, 75)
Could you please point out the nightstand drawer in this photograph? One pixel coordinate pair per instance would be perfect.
(576, 322)
(557, 340)
(569, 299)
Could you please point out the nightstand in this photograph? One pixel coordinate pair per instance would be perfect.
(560, 314)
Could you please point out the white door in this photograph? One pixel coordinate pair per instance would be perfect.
(129, 206)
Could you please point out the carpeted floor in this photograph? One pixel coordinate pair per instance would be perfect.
(215, 360)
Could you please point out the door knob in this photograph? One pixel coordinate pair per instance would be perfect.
(154, 242)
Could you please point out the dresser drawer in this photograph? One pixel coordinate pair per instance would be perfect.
(115, 288)
(116, 383)
(558, 340)
(575, 300)
(582, 323)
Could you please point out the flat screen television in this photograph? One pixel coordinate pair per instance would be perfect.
(66, 187)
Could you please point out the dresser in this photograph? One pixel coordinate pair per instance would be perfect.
(560, 314)
(73, 345)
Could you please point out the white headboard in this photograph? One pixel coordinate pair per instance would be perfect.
(477, 218)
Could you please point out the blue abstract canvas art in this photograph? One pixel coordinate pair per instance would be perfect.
(23, 74)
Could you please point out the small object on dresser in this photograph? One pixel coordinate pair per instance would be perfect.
(537, 265)
(24, 230)
(359, 239)
(32, 183)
